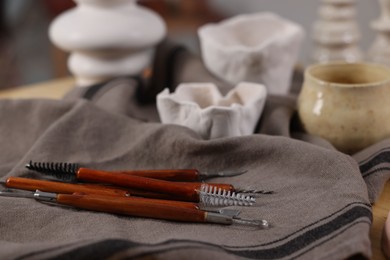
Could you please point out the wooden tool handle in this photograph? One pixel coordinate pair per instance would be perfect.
(164, 196)
(168, 175)
(60, 187)
(187, 191)
(183, 192)
(132, 207)
(198, 185)
(173, 203)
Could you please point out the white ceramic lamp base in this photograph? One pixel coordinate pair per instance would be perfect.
(107, 38)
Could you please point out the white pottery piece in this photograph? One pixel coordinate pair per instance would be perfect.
(380, 49)
(107, 38)
(260, 47)
(336, 33)
(346, 104)
(201, 107)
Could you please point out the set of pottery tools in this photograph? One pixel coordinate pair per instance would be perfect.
(177, 195)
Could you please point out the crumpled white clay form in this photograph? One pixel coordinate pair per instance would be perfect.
(201, 107)
(260, 47)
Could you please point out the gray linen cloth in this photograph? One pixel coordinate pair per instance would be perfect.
(320, 208)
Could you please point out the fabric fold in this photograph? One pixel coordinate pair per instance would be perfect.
(320, 208)
(304, 178)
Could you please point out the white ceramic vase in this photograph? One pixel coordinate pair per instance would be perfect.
(260, 47)
(107, 38)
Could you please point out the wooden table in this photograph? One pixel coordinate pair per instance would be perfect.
(57, 88)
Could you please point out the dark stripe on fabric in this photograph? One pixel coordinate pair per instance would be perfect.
(311, 225)
(329, 230)
(374, 154)
(92, 90)
(47, 250)
(382, 157)
(309, 237)
(379, 169)
(333, 236)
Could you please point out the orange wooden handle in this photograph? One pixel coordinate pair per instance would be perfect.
(180, 175)
(132, 207)
(60, 187)
(195, 186)
(168, 175)
(173, 203)
(198, 185)
(183, 192)
(187, 191)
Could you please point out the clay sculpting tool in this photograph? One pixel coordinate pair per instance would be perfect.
(207, 200)
(180, 191)
(183, 175)
(61, 187)
(136, 207)
(59, 170)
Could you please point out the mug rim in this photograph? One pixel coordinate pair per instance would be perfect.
(308, 74)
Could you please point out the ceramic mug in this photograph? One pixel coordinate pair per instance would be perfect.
(347, 104)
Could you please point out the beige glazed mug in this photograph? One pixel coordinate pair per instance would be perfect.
(347, 104)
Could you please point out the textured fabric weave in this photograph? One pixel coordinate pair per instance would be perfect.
(320, 208)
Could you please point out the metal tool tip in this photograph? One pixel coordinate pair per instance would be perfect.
(264, 224)
(238, 173)
(259, 224)
(28, 165)
(231, 174)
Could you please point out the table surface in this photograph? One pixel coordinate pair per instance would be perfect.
(55, 89)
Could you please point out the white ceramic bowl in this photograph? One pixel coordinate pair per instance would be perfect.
(260, 47)
(346, 104)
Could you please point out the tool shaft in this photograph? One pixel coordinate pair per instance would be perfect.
(60, 187)
(181, 191)
(133, 207)
(168, 175)
(185, 192)
(185, 177)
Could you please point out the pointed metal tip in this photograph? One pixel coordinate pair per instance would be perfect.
(223, 211)
(231, 174)
(253, 192)
(206, 175)
(28, 165)
(260, 224)
(243, 171)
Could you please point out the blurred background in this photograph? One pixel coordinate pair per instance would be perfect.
(27, 56)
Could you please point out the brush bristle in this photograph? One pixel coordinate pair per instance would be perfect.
(212, 196)
(62, 171)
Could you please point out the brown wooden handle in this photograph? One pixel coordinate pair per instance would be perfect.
(133, 207)
(173, 203)
(168, 175)
(198, 185)
(195, 186)
(187, 191)
(182, 192)
(60, 187)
